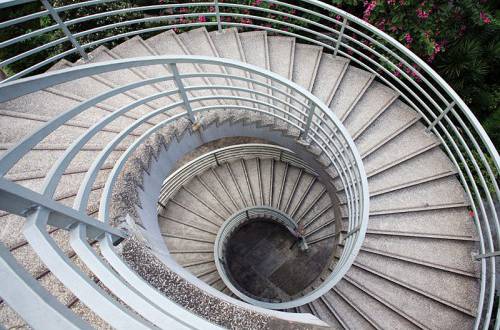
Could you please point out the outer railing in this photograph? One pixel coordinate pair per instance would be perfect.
(442, 110)
(325, 133)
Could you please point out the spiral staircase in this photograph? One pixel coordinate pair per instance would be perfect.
(129, 173)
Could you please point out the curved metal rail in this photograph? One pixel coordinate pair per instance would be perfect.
(324, 132)
(312, 21)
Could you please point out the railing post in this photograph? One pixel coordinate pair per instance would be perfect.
(182, 92)
(307, 126)
(341, 34)
(65, 29)
(217, 15)
(438, 118)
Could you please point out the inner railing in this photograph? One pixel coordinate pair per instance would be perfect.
(299, 109)
(310, 21)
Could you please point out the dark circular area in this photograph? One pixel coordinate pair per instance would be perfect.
(263, 260)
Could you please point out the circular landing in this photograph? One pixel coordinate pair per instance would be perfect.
(264, 260)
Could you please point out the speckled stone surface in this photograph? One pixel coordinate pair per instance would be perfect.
(136, 253)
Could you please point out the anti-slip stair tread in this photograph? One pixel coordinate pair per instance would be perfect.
(446, 190)
(169, 43)
(14, 126)
(411, 142)
(452, 254)
(374, 101)
(304, 70)
(94, 85)
(397, 117)
(198, 42)
(119, 77)
(136, 47)
(330, 72)
(455, 222)
(256, 50)
(350, 316)
(52, 104)
(325, 314)
(430, 165)
(255, 47)
(453, 289)
(281, 55)
(40, 161)
(415, 305)
(228, 45)
(207, 195)
(381, 315)
(352, 87)
(305, 67)
(281, 58)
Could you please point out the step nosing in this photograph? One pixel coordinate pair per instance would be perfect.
(411, 287)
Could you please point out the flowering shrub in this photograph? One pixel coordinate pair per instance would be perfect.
(459, 38)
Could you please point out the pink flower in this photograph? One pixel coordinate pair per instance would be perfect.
(202, 19)
(485, 18)
(422, 14)
(437, 47)
(408, 38)
(369, 7)
(391, 2)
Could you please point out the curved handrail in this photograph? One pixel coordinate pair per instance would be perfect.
(214, 158)
(325, 132)
(446, 114)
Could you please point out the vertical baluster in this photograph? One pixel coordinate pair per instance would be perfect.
(217, 15)
(65, 29)
(341, 34)
(182, 92)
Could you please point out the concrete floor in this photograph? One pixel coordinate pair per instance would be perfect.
(261, 262)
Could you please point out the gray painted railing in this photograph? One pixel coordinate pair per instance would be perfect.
(223, 155)
(442, 110)
(326, 134)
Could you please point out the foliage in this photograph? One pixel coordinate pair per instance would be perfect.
(458, 38)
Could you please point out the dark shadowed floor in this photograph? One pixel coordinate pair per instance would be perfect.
(261, 262)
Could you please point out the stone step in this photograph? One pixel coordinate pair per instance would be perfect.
(168, 43)
(352, 87)
(375, 100)
(457, 291)
(393, 121)
(349, 315)
(452, 254)
(380, 314)
(228, 45)
(330, 73)
(281, 58)
(198, 42)
(120, 77)
(411, 303)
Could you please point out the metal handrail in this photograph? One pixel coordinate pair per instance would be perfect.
(181, 176)
(441, 109)
(112, 271)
